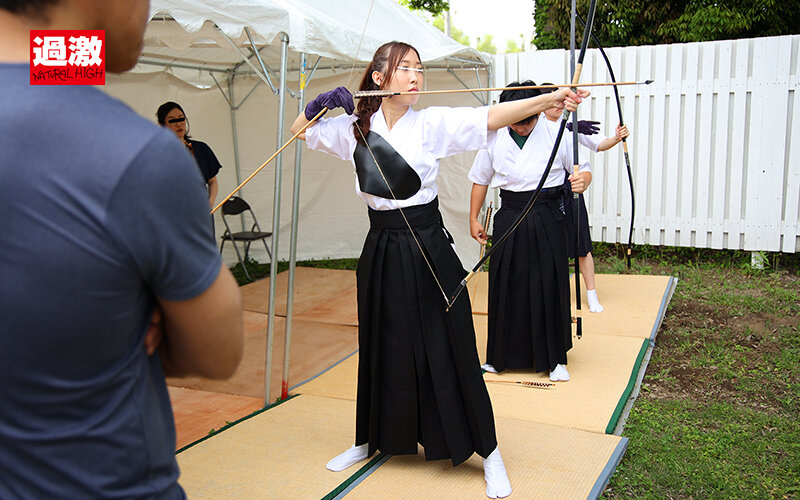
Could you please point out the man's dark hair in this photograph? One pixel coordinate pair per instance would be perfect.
(26, 6)
(512, 94)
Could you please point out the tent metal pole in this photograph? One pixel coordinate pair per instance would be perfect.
(261, 61)
(298, 152)
(276, 219)
(264, 77)
(235, 134)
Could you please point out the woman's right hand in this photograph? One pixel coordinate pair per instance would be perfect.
(339, 97)
(477, 232)
(565, 97)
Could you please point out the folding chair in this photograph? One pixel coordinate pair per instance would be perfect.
(236, 206)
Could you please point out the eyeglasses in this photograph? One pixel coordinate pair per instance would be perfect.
(406, 68)
(177, 120)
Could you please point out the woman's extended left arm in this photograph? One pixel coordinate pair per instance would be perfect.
(510, 112)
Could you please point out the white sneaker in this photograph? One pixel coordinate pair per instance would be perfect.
(488, 368)
(494, 471)
(350, 457)
(594, 303)
(559, 374)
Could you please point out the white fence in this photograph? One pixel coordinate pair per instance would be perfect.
(714, 146)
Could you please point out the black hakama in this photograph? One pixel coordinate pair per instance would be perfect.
(585, 240)
(529, 308)
(419, 376)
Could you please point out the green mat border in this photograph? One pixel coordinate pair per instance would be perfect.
(350, 483)
(231, 424)
(623, 400)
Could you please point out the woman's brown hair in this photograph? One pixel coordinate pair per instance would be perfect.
(385, 61)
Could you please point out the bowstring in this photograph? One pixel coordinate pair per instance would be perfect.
(360, 41)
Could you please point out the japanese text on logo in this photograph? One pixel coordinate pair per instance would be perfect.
(67, 57)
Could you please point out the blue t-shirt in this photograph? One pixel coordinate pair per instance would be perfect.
(100, 213)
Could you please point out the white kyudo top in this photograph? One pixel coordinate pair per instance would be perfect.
(422, 138)
(504, 165)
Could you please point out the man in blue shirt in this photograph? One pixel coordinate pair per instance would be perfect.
(107, 260)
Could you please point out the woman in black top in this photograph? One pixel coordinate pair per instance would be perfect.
(170, 115)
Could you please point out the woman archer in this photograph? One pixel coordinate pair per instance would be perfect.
(419, 377)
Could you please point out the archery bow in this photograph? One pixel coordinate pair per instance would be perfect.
(624, 142)
(553, 153)
(576, 197)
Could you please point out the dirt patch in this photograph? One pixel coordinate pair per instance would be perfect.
(746, 342)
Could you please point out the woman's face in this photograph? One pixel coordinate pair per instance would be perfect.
(176, 121)
(525, 129)
(408, 77)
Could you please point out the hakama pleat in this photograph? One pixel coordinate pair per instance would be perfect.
(585, 239)
(529, 308)
(419, 377)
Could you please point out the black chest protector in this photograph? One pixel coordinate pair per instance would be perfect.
(404, 181)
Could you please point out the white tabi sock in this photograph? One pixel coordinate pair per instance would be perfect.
(488, 368)
(352, 456)
(594, 304)
(559, 374)
(494, 471)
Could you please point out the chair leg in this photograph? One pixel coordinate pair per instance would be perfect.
(267, 248)
(239, 256)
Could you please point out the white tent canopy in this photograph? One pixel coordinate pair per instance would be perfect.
(215, 35)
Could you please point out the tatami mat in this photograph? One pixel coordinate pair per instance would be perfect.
(339, 382)
(542, 461)
(632, 304)
(602, 370)
(555, 441)
(324, 295)
(478, 288)
(280, 453)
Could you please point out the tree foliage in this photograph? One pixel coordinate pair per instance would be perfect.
(455, 33)
(435, 7)
(644, 22)
(486, 44)
(512, 46)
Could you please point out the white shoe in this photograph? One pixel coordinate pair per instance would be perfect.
(352, 456)
(594, 304)
(559, 374)
(494, 471)
(488, 368)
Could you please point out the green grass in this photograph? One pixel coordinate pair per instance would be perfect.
(717, 416)
(683, 449)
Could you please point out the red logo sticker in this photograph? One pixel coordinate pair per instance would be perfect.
(68, 57)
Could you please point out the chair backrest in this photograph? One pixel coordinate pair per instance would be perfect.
(234, 206)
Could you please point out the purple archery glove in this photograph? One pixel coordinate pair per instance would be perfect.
(339, 97)
(585, 127)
